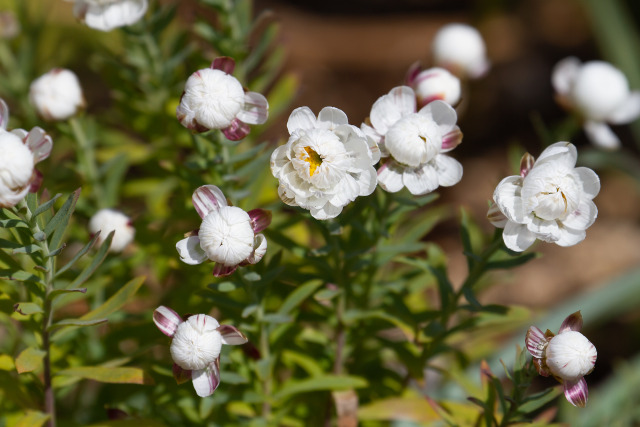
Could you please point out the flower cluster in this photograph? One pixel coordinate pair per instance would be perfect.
(228, 235)
(551, 200)
(568, 356)
(21, 150)
(195, 347)
(600, 94)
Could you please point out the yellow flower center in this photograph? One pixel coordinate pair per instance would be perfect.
(313, 159)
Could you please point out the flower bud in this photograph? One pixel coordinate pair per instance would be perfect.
(570, 355)
(460, 49)
(16, 169)
(108, 220)
(106, 15)
(56, 95)
(197, 342)
(599, 88)
(226, 235)
(436, 83)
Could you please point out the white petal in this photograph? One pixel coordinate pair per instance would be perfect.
(255, 110)
(374, 140)
(601, 135)
(301, 118)
(4, 114)
(590, 181)
(563, 154)
(390, 177)
(449, 170)
(583, 217)
(443, 114)
(496, 217)
(545, 230)
(39, 143)
(627, 112)
(570, 236)
(259, 249)
(507, 197)
(208, 198)
(206, 381)
(166, 320)
(421, 180)
(388, 109)
(564, 74)
(332, 117)
(231, 335)
(190, 250)
(517, 237)
(327, 211)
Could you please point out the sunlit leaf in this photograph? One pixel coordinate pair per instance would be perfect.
(118, 375)
(327, 382)
(29, 360)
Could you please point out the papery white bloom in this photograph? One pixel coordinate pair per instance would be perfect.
(106, 15)
(568, 356)
(414, 142)
(228, 235)
(19, 152)
(196, 345)
(325, 164)
(600, 93)
(108, 220)
(56, 95)
(550, 200)
(434, 84)
(460, 49)
(214, 99)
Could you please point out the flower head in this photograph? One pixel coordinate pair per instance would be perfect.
(21, 150)
(196, 345)
(228, 236)
(108, 220)
(214, 99)
(106, 15)
(460, 49)
(434, 84)
(56, 95)
(414, 142)
(598, 92)
(550, 200)
(325, 164)
(568, 356)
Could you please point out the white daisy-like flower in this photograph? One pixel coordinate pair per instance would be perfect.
(568, 356)
(196, 345)
(460, 49)
(107, 220)
(434, 84)
(551, 200)
(56, 95)
(325, 164)
(106, 15)
(214, 99)
(599, 93)
(19, 152)
(414, 142)
(228, 236)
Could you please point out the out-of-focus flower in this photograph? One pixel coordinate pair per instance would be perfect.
(9, 25)
(551, 200)
(19, 152)
(56, 95)
(325, 164)
(214, 99)
(228, 235)
(106, 15)
(414, 142)
(108, 220)
(600, 94)
(568, 356)
(434, 84)
(196, 345)
(460, 49)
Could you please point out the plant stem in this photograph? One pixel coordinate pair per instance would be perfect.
(265, 355)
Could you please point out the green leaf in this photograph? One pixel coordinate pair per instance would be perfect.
(6, 363)
(28, 249)
(32, 419)
(95, 263)
(117, 375)
(20, 276)
(27, 308)
(300, 294)
(75, 322)
(58, 292)
(353, 315)
(327, 382)
(308, 363)
(80, 253)
(29, 360)
(116, 301)
(60, 220)
(416, 409)
(513, 262)
(45, 206)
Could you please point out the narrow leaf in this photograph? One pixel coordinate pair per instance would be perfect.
(32, 419)
(58, 224)
(20, 276)
(59, 292)
(95, 263)
(80, 253)
(76, 322)
(116, 301)
(29, 360)
(327, 382)
(27, 308)
(301, 293)
(45, 206)
(120, 375)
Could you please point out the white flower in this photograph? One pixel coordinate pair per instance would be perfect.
(414, 142)
(106, 15)
(108, 220)
(568, 356)
(214, 99)
(325, 164)
(460, 49)
(600, 93)
(550, 200)
(228, 236)
(19, 152)
(195, 348)
(56, 95)
(434, 84)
